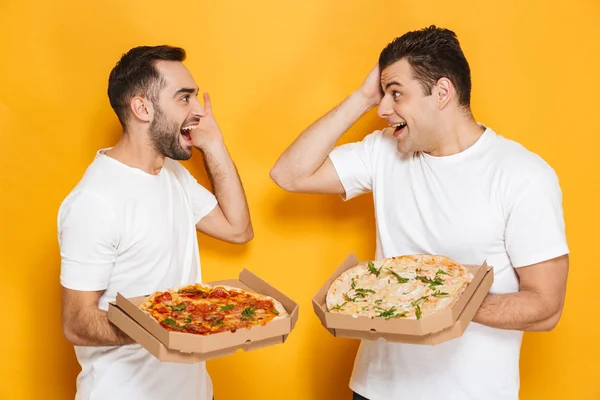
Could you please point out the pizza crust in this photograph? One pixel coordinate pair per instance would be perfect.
(278, 306)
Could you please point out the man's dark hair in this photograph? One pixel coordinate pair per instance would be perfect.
(432, 53)
(135, 75)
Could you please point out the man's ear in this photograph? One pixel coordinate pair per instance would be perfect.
(443, 91)
(141, 108)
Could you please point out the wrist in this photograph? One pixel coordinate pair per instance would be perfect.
(363, 101)
(212, 146)
(210, 143)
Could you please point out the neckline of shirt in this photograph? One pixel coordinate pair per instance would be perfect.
(481, 143)
(102, 154)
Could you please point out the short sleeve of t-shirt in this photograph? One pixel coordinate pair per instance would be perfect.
(535, 229)
(88, 236)
(202, 200)
(354, 164)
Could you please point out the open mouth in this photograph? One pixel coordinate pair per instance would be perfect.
(186, 132)
(399, 128)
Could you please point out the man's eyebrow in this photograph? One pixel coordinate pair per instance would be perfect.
(185, 90)
(393, 83)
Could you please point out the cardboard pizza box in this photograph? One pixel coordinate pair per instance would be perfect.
(432, 329)
(189, 348)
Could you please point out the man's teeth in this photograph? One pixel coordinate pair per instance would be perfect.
(187, 128)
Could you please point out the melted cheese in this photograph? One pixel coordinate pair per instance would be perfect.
(392, 288)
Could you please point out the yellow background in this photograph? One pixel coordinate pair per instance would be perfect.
(272, 67)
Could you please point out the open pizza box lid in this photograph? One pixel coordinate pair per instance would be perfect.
(432, 329)
(185, 347)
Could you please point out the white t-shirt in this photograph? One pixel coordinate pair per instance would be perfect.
(494, 201)
(123, 230)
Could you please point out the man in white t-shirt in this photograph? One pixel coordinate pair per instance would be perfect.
(442, 183)
(130, 224)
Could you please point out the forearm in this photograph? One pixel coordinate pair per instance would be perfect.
(91, 327)
(308, 152)
(523, 311)
(227, 186)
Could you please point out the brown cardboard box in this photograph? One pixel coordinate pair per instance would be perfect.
(432, 329)
(188, 348)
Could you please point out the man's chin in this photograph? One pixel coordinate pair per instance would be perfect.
(185, 156)
(184, 153)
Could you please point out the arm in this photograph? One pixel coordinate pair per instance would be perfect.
(304, 166)
(84, 324)
(230, 219)
(536, 244)
(538, 304)
(88, 239)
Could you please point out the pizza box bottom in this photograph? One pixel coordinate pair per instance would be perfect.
(189, 348)
(440, 327)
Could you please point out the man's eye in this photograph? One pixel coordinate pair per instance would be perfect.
(185, 98)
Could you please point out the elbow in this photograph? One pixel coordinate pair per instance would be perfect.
(247, 236)
(72, 329)
(551, 323)
(243, 237)
(71, 335)
(546, 325)
(280, 179)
